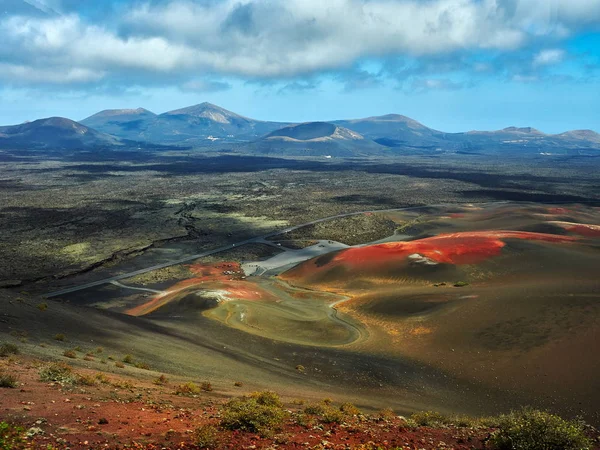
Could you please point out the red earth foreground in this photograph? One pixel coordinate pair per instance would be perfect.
(121, 412)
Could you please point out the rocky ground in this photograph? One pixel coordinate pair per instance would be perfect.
(93, 411)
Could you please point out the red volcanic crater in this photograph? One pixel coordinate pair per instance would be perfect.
(226, 278)
(454, 248)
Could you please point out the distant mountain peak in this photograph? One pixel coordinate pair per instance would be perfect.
(314, 131)
(208, 111)
(584, 135)
(528, 130)
(120, 112)
(54, 132)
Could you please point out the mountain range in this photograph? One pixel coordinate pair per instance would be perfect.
(208, 125)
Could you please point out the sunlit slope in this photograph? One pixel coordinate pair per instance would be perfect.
(517, 309)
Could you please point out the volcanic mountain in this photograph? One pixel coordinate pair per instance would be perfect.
(54, 133)
(316, 139)
(125, 123)
(195, 125)
(395, 130)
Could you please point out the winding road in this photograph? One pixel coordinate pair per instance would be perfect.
(257, 239)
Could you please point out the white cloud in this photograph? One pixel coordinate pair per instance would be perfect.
(27, 74)
(277, 38)
(427, 84)
(548, 57)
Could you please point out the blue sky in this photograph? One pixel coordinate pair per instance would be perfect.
(454, 65)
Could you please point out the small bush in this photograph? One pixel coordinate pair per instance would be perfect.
(59, 337)
(206, 436)
(99, 350)
(206, 386)
(7, 380)
(102, 378)
(128, 359)
(529, 429)
(86, 380)
(429, 419)
(8, 349)
(267, 398)
(188, 388)
(325, 412)
(11, 437)
(386, 414)
(461, 284)
(70, 354)
(464, 421)
(161, 381)
(42, 306)
(238, 384)
(305, 420)
(332, 415)
(315, 409)
(141, 365)
(247, 414)
(349, 409)
(58, 373)
(119, 364)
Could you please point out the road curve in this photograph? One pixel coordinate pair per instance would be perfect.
(228, 247)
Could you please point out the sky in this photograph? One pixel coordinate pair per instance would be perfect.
(454, 65)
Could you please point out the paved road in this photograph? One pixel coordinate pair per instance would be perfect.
(222, 249)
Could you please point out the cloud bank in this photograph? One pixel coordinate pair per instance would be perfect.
(193, 43)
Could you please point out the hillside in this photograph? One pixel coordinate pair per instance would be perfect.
(315, 139)
(394, 130)
(125, 123)
(200, 124)
(54, 133)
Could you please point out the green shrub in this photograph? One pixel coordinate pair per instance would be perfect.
(267, 398)
(332, 415)
(86, 380)
(386, 414)
(188, 388)
(42, 306)
(128, 359)
(206, 436)
(141, 365)
(429, 419)
(529, 429)
(247, 414)
(315, 409)
(349, 409)
(161, 381)
(119, 364)
(11, 437)
(7, 380)
(70, 354)
(325, 412)
(58, 373)
(461, 284)
(8, 349)
(102, 378)
(59, 337)
(206, 386)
